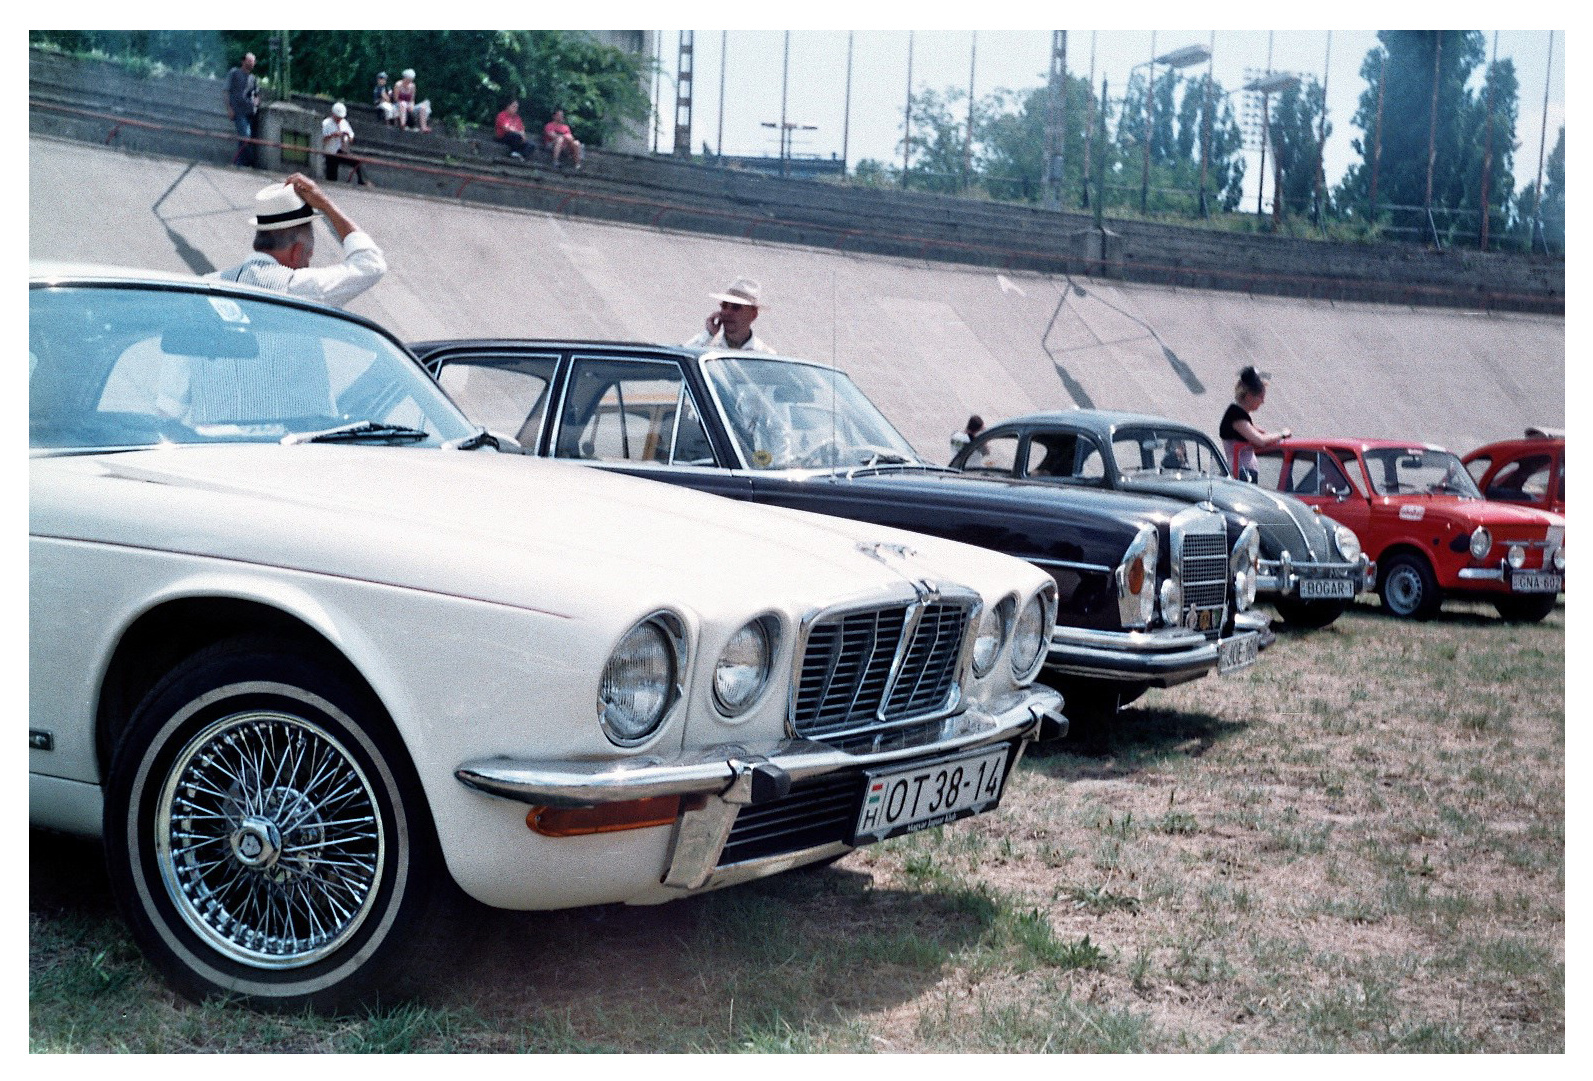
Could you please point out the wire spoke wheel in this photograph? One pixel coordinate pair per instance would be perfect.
(269, 840)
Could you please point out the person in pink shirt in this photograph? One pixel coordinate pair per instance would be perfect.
(556, 137)
(510, 130)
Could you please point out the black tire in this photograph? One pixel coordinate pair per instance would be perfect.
(1409, 588)
(1308, 615)
(1533, 609)
(265, 833)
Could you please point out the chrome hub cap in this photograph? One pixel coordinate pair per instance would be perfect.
(269, 839)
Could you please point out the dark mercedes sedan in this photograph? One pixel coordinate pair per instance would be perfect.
(1152, 591)
(1311, 566)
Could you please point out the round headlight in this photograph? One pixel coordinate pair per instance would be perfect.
(1349, 544)
(1516, 557)
(1559, 559)
(1245, 564)
(993, 629)
(742, 670)
(640, 681)
(1481, 542)
(1172, 603)
(1029, 638)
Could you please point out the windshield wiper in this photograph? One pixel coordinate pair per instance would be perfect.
(478, 438)
(359, 429)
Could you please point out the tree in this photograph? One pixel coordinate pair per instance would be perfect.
(1401, 71)
(1553, 210)
(1293, 130)
(1011, 141)
(468, 74)
(937, 142)
(1225, 163)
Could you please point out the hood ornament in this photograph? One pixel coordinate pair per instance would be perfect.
(895, 556)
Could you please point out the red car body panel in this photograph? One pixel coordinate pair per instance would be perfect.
(1437, 525)
(1525, 472)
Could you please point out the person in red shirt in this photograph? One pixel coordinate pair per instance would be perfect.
(511, 130)
(557, 138)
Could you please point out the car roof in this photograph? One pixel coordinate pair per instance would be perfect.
(423, 347)
(1095, 420)
(1361, 444)
(50, 273)
(1536, 444)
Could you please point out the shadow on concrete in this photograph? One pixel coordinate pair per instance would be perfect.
(191, 256)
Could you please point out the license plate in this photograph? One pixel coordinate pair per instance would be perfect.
(1331, 588)
(1237, 652)
(925, 795)
(1536, 583)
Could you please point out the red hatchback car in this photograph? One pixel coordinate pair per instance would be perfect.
(1528, 472)
(1418, 513)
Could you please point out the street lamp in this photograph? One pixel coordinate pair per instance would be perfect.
(1275, 83)
(786, 127)
(1178, 58)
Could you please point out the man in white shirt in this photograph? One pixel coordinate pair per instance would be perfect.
(336, 134)
(284, 241)
(731, 326)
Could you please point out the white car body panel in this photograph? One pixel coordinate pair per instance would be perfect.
(470, 590)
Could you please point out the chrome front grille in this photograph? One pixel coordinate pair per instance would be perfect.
(864, 673)
(1204, 569)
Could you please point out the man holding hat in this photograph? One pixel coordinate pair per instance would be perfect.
(284, 241)
(731, 326)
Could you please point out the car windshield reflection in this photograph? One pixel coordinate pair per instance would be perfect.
(1419, 471)
(802, 416)
(128, 367)
(1148, 452)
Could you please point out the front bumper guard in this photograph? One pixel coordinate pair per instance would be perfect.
(1283, 576)
(728, 777)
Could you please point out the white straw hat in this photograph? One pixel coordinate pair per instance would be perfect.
(740, 291)
(279, 207)
(339, 110)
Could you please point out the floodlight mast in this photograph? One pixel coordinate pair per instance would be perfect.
(1179, 58)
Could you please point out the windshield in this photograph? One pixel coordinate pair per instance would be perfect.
(132, 366)
(785, 415)
(1183, 452)
(1419, 471)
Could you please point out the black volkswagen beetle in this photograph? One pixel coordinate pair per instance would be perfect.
(1152, 591)
(1311, 566)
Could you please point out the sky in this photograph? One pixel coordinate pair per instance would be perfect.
(750, 62)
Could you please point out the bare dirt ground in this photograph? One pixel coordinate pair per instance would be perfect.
(1357, 845)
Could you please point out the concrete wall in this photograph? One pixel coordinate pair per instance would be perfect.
(930, 342)
(681, 195)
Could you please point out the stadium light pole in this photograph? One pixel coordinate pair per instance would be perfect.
(1273, 83)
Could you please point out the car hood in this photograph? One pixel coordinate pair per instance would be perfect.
(1055, 502)
(1283, 521)
(501, 528)
(1475, 512)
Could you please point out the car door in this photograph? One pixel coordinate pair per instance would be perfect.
(504, 390)
(641, 414)
(1326, 479)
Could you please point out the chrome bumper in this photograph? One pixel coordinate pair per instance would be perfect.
(1284, 575)
(732, 776)
(1162, 658)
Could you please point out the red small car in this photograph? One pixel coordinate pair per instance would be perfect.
(1529, 471)
(1419, 514)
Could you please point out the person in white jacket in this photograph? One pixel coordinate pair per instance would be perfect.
(336, 134)
(284, 242)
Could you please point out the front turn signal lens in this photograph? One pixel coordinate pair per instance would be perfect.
(636, 814)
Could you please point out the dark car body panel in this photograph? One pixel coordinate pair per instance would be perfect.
(1285, 524)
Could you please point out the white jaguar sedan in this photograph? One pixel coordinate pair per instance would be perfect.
(304, 648)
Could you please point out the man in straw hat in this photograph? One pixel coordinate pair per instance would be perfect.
(731, 326)
(284, 241)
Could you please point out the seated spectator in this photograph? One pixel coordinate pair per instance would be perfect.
(411, 113)
(510, 130)
(336, 134)
(557, 138)
(382, 98)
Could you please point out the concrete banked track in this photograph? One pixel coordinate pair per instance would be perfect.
(930, 343)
